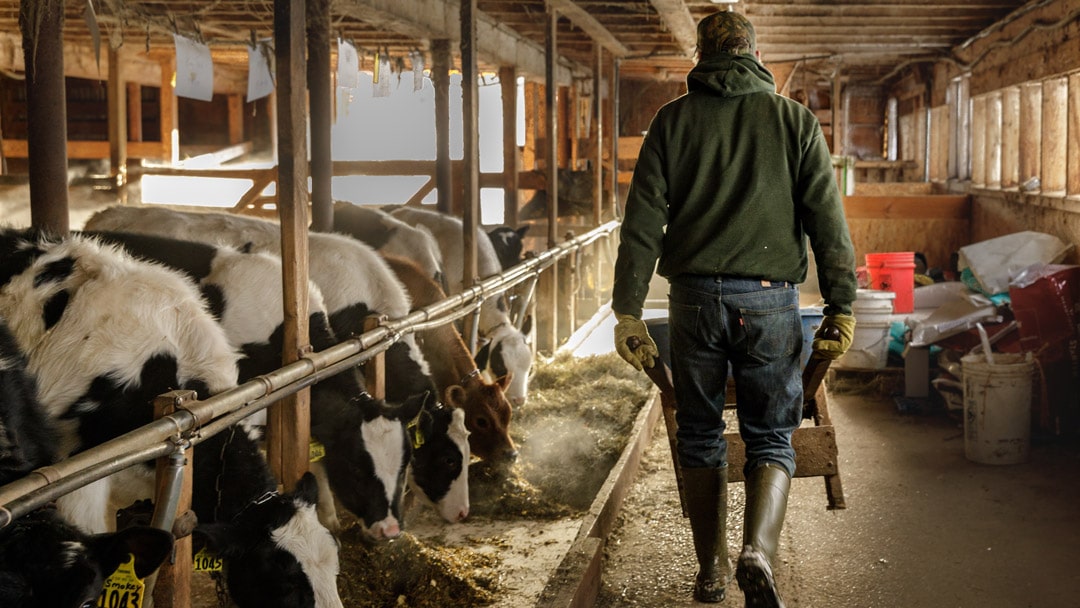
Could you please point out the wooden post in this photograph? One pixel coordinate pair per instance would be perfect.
(1054, 139)
(532, 115)
(319, 94)
(470, 93)
(42, 24)
(288, 426)
(1030, 131)
(172, 588)
(613, 122)
(375, 367)
(508, 84)
(440, 79)
(598, 134)
(837, 112)
(236, 118)
(992, 141)
(1010, 137)
(170, 136)
(551, 168)
(134, 111)
(978, 141)
(118, 137)
(1072, 188)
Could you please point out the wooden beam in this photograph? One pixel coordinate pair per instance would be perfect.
(134, 111)
(289, 421)
(596, 30)
(548, 332)
(597, 135)
(930, 207)
(679, 22)
(435, 19)
(1072, 188)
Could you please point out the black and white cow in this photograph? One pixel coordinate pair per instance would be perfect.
(45, 562)
(508, 244)
(245, 292)
(104, 333)
(354, 280)
(506, 343)
(390, 236)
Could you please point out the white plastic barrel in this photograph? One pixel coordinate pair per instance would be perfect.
(997, 408)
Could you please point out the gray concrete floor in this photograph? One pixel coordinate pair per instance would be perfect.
(923, 527)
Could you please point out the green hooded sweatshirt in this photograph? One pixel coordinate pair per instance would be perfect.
(731, 180)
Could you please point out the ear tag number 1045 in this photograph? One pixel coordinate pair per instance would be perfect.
(123, 589)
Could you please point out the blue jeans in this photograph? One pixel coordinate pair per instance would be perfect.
(755, 330)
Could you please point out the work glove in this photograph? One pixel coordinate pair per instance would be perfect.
(835, 335)
(630, 328)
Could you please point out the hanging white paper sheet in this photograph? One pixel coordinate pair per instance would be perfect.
(194, 69)
(260, 74)
(348, 66)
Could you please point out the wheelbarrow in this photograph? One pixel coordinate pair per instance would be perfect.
(816, 454)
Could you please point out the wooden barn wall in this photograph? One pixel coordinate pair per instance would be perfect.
(864, 108)
(640, 99)
(995, 214)
(936, 237)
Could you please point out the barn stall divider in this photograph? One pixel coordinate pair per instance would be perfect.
(184, 421)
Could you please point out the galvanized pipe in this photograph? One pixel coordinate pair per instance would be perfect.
(213, 414)
(165, 506)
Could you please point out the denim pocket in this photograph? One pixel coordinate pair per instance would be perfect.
(770, 323)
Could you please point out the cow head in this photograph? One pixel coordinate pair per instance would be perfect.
(46, 562)
(276, 553)
(507, 354)
(487, 416)
(508, 243)
(440, 461)
(366, 458)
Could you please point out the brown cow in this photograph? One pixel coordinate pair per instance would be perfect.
(454, 371)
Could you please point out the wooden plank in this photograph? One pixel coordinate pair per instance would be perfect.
(440, 79)
(169, 129)
(1054, 139)
(172, 587)
(1072, 188)
(940, 206)
(470, 110)
(117, 118)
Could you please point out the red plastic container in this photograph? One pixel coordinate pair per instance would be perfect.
(894, 272)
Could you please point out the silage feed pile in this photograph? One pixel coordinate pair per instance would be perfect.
(572, 430)
(570, 433)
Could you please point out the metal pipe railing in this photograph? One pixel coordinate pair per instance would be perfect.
(203, 418)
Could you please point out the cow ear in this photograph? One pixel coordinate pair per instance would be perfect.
(307, 489)
(481, 356)
(412, 406)
(150, 546)
(523, 229)
(526, 325)
(504, 381)
(455, 396)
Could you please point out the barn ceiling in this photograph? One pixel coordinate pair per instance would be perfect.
(862, 40)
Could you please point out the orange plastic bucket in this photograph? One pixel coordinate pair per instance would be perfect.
(894, 272)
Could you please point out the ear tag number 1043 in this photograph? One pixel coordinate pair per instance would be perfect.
(123, 589)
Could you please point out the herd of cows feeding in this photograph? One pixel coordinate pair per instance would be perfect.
(145, 300)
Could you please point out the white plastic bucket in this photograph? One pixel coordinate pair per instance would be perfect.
(872, 306)
(997, 408)
(869, 347)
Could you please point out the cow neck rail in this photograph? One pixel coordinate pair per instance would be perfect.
(200, 419)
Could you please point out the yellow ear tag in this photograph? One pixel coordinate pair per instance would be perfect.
(205, 561)
(123, 589)
(416, 433)
(316, 451)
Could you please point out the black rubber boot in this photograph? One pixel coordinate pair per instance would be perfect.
(706, 505)
(766, 503)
